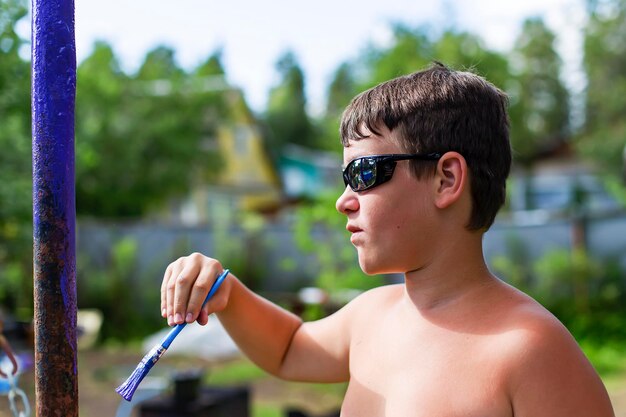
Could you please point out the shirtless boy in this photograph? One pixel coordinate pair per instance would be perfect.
(453, 340)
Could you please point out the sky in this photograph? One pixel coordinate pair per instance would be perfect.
(321, 33)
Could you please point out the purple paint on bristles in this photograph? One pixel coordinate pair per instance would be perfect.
(128, 388)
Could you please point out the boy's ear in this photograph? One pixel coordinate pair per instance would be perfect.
(450, 179)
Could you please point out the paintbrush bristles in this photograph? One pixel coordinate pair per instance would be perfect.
(128, 388)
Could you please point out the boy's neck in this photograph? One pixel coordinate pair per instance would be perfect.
(458, 271)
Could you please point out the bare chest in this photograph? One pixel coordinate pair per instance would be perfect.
(440, 373)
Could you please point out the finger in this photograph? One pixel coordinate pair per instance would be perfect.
(4, 345)
(199, 291)
(13, 361)
(203, 317)
(216, 304)
(184, 282)
(171, 290)
(166, 277)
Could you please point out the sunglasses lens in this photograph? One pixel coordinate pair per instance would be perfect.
(361, 174)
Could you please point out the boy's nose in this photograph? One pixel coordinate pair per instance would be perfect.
(347, 201)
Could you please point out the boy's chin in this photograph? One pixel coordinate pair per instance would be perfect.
(370, 267)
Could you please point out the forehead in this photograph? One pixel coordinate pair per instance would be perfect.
(374, 145)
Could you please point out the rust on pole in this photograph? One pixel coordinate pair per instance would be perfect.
(54, 213)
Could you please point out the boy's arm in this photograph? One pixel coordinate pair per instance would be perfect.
(281, 344)
(273, 338)
(555, 379)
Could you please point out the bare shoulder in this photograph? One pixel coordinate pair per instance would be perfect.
(369, 306)
(549, 374)
(362, 310)
(380, 297)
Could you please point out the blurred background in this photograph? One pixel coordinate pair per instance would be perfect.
(214, 128)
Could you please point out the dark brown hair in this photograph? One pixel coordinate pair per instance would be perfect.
(442, 110)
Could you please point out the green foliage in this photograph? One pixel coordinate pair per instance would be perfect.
(316, 232)
(565, 277)
(603, 138)
(234, 372)
(16, 289)
(341, 90)
(587, 294)
(15, 166)
(286, 114)
(466, 51)
(119, 293)
(138, 139)
(15, 161)
(516, 265)
(539, 109)
(410, 50)
(607, 358)
(243, 252)
(243, 372)
(266, 410)
(539, 100)
(616, 189)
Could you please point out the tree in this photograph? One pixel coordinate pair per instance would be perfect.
(465, 51)
(140, 140)
(207, 87)
(341, 90)
(413, 49)
(101, 123)
(410, 50)
(603, 137)
(539, 107)
(286, 114)
(15, 163)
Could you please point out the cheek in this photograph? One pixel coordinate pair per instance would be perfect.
(403, 221)
(381, 215)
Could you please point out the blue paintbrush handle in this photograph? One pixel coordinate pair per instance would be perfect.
(167, 341)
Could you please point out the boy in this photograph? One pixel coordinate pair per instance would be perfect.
(427, 156)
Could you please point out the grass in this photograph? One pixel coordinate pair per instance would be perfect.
(266, 410)
(273, 396)
(240, 371)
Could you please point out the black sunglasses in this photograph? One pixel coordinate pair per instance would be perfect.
(370, 171)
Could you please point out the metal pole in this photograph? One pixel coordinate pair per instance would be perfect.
(54, 213)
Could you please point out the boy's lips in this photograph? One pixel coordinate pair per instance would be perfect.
(355, 232)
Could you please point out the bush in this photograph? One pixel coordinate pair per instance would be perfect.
(587, 294)
(116, 290)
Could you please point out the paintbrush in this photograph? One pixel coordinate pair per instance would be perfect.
(128, 388)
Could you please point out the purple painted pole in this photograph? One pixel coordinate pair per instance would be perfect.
(54, 212)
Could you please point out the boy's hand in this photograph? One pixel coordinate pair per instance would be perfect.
(186, 283)
(4, 345)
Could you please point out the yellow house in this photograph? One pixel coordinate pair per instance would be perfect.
(248, 181)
